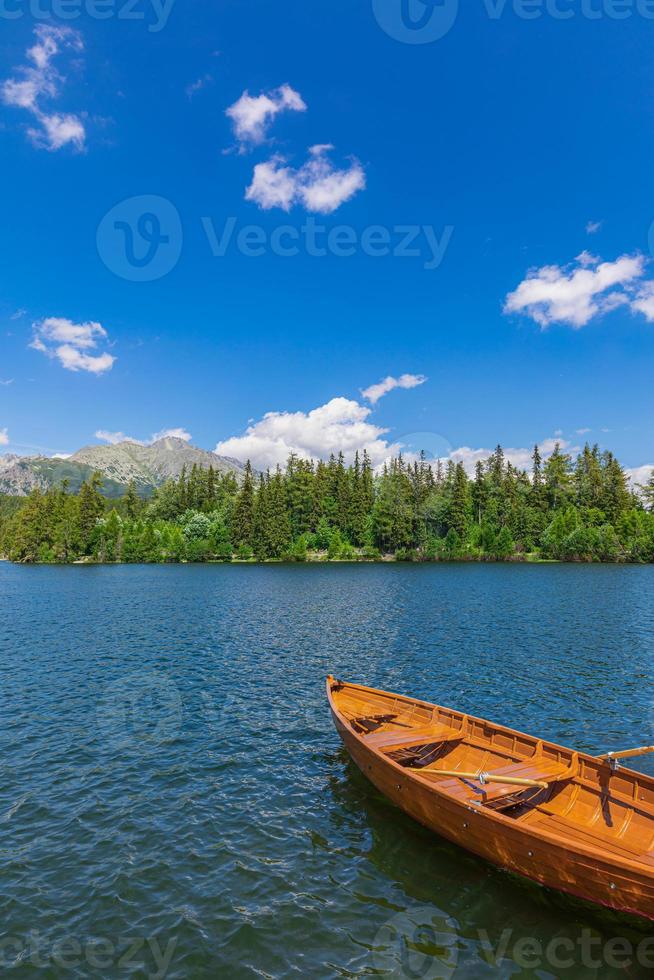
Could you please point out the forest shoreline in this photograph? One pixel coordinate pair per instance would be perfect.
(324, 560)
(582, 511)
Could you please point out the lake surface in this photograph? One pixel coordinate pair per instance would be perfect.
(175, 801)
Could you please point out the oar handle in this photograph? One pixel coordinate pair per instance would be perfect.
(626, 753)
(487, 777)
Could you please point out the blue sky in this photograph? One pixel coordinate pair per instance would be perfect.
(499, 141)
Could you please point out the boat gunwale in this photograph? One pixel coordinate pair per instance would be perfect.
(535, 832)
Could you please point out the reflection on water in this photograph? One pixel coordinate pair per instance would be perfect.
(174, 800)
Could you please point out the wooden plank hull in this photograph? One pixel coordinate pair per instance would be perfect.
(574, 838)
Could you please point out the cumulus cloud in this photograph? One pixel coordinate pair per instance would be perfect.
(639, 476)
(39, 81)
(72, 344)
(317, 184)
(4, 437)
(520, 458)
(577, 293)
(252, 115)
(377, 391)
(113, 438)
(341, 425)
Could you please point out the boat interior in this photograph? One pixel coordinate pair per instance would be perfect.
(570, 794)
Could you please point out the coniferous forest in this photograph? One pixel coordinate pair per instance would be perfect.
(564, 509)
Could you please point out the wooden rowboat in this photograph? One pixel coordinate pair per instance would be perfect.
(575, 822)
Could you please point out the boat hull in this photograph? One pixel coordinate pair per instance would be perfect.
(553, 862)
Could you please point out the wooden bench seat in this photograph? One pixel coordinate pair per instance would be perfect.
(408, 737)
(545, 770)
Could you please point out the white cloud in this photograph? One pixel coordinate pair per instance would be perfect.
(520, 458)
(6, 383)
(252, 116)
(4, 437)
(343, 425)
(113, 438)
(70, 343)
(644, 301)
(57, 130)
(575, 294)
(38, 80)
(583, 432)
(317, 184)
(61, 455)
(340, 425)
(593, 227)
(639, 476)
(377, 391)
(273, 185)
(178, 433)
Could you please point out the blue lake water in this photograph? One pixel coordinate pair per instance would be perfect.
(175, 801)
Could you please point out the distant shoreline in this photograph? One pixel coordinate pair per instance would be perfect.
(385, 560)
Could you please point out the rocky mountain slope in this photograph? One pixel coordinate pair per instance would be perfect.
(148, 466)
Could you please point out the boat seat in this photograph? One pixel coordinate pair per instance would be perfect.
(408, 737)
(545, 770)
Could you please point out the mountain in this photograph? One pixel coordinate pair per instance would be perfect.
(148, 466)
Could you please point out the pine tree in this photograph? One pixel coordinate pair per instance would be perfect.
(131, 501)
(615, 492)
(459, 512)
(557, 479)
(91, 508)
(243, 520)
(278, 527)
(479, 493)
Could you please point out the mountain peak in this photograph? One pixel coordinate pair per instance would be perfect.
(148, 467)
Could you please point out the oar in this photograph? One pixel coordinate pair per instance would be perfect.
(612, 757)
(486, 777)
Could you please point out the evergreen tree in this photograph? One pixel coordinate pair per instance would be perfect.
(131, 501)
(460, 510)
(243, 520)
(91, 508)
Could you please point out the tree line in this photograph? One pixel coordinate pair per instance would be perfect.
(564, 509)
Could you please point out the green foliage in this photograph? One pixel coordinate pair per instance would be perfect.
(580, 510)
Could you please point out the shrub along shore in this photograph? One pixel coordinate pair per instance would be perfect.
(563, 510)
